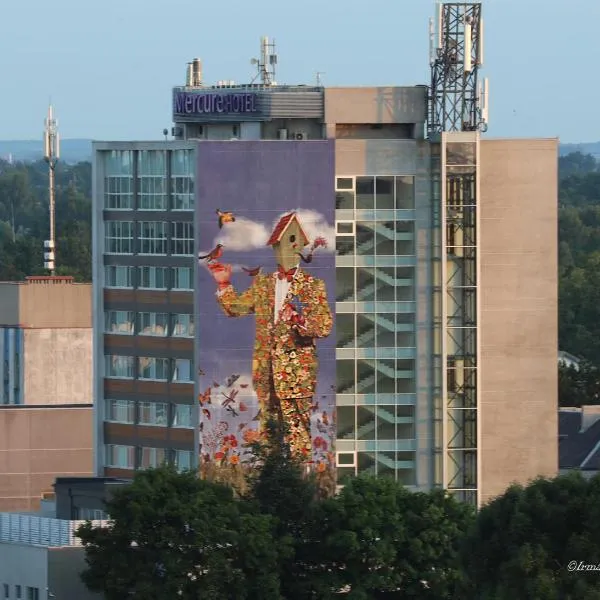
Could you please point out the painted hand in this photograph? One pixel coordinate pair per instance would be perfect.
(221, 273)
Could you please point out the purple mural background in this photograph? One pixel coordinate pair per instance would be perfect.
(259, 182)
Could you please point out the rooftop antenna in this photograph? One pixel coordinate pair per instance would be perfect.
(266, 63)
(51, 155)
(319, 79)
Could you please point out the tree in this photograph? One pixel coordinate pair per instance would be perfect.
(578, 386)
(173, 535)
(522, 543)
(381, 540)
(576, 163)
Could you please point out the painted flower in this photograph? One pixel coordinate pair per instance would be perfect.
(234, 460)
(219, 456)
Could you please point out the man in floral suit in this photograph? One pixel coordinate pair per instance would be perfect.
(291, 311)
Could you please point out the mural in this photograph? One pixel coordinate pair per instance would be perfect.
(264, 302)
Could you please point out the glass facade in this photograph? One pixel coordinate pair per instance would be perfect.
(11, 366)
(375, 324)
(146, 290)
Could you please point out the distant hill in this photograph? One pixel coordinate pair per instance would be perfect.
(592, 148)
(71, 151)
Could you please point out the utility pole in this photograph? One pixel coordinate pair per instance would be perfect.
(51, 155)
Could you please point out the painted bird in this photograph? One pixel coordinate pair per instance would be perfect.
(213, 255)
(307, 259)
(252, 272)
(224, 217)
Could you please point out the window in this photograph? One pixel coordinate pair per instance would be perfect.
(153, 323)
(182, 278)
(182, 179)
(152, 278)
(118, 237)
(118, 321)
(152, 173)
(18, 592)
(183, 325)
(344, 227)
(6, 591)
(182, 416)
(154, 413)
(120, 457)
(152, 237)
(120, 411)
(118, 180)
(118, 277)
(182, 370)
(183, 460)
(182, 239)
(156, 369)
(91, 514)
(152, 457)
(33, 593)
(120, 367)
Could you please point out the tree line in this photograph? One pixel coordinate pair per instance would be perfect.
(24, 219)
(173, 535)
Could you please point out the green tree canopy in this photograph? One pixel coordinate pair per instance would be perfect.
(526, 544)
(174, 535)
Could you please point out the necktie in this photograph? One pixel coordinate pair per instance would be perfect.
(283, 274)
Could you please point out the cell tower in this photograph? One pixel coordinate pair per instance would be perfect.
(457, 102)
(51, 155)
(267, 62)
(456, 117)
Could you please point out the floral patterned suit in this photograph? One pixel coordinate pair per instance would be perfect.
(284, 366)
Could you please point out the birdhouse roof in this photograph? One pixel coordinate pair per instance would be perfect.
(281, 227)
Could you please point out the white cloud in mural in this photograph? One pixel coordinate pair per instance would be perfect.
(243, 235)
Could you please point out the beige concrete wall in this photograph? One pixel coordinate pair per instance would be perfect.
(9, 303)
(36, 446)
(518, 294)
(375, 105)
(57, 366)
(375, 157)
(55, 304)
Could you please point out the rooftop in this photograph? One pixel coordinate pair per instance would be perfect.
(579, 438)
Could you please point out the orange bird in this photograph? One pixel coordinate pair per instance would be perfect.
(213, 255)
(225, 217)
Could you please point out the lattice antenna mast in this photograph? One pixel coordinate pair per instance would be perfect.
(457, 101)
(51, 155)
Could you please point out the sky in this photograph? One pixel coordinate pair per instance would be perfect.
(109, 66)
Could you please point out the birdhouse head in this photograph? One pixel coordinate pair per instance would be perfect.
(288, 240)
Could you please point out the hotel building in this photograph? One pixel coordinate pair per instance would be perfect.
(446, 295)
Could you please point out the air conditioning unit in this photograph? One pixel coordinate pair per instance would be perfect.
(300, 135)
(282, 134)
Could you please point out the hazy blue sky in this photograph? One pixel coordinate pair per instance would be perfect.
(109, 66)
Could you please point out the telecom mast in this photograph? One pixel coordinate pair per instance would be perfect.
(456, 117)
(266, 63)
(51, 155)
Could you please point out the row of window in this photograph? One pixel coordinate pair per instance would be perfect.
(132, 457)
(160, 414)
(124, 322)
(148, 278)
(148, 368)
(153, 238)
(31, 593)
(380, 193)
(151, 177)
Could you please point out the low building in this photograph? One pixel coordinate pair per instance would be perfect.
(84, 497)
(41, 558)
(39, 443)
(579, 440)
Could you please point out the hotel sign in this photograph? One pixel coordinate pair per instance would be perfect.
(187, 104)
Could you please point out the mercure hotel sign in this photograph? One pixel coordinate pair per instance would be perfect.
(185, 103)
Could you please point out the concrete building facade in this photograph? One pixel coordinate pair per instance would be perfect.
(401, 375)
(45, 341)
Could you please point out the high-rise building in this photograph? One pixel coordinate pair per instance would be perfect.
(446, 282)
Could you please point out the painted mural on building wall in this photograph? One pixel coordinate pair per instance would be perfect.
(265, 304)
